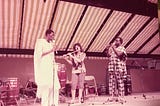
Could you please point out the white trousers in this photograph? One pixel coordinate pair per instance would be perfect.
(56, 97)
(48, 95)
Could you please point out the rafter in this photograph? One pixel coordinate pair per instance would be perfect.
(157, 31)
(55, 9)
(123, 27)
(137, 33)
(75, 30)
(100, 28)
(141, 7)
(154, 48)
(60, 53)
(21, 27)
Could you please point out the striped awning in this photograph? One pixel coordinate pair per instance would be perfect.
(89, 23)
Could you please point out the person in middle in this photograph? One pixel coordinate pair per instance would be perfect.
(76, 59)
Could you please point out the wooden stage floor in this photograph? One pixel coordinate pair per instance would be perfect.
(136, 99)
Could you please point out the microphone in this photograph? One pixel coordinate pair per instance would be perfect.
(56, 52)
(54, 44)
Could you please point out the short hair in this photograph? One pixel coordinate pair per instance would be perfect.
(49, 31)
(77, 44)
(121, 40)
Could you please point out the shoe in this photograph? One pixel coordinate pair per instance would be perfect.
(122, 100)
(72, 101)
(113, 99)
(81, 100)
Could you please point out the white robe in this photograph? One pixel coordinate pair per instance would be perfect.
(45, 69)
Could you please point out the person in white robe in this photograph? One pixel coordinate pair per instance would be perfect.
(45, 70)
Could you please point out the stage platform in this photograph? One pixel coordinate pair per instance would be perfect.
(135, 99)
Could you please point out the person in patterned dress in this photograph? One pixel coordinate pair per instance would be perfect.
(116, 68)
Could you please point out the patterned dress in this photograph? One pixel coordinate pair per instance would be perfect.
(116, 69)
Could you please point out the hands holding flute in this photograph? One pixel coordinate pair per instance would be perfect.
(69, 55)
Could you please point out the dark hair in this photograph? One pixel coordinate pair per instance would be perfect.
(73, 62)
(121, 40)
(77, 44)
(49, 31)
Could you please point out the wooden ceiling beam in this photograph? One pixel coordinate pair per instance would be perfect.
(77, 26)
(60, 53)
(141, 7)
(99, 29)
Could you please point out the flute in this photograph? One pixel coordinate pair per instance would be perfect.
(68, 54)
